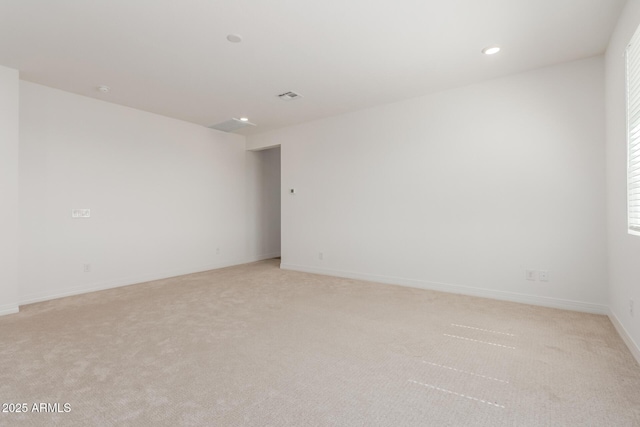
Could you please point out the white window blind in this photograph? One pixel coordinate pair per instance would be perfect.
(633, 134)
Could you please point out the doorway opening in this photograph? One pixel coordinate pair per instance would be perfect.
(264, 199)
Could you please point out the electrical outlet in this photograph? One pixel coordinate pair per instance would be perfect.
(631, 311)
(543, 275)
(86, 268)
(320, 256)
(530, 275)
(80, 213)
(217, 251)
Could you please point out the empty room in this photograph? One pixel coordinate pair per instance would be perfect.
(298, 213)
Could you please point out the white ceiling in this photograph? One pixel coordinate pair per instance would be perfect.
(171, 57)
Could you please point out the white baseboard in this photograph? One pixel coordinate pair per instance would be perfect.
(458, 289)
(8, 309)
(255, 258)
(633, 347)
(126, 281)
(444, 287)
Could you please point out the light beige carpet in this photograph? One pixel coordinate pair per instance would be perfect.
(254, 345)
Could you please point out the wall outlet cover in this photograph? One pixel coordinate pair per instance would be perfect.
(80, 213)
(530, 275)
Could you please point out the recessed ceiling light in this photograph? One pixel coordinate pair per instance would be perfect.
(104, 89)
(244, 119)
(491, 50)
(234, 38)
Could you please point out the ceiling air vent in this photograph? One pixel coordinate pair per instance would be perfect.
(231, 125)
(289, 96)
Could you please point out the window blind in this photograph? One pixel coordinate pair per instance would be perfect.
(633, 133)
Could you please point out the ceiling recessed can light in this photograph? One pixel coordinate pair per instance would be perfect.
(234, 38)
(104, 89)
(244, 119)
(491, 50)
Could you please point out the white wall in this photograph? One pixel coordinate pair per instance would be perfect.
(164, 195)
(263, 203)
(624, 249)
(460, 190)
(9, 126)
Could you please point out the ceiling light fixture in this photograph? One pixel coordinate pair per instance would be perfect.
(234, 38)
(244, 119)
(491, 50)
(104, 89)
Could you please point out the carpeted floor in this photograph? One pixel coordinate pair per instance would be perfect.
(254, 345)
